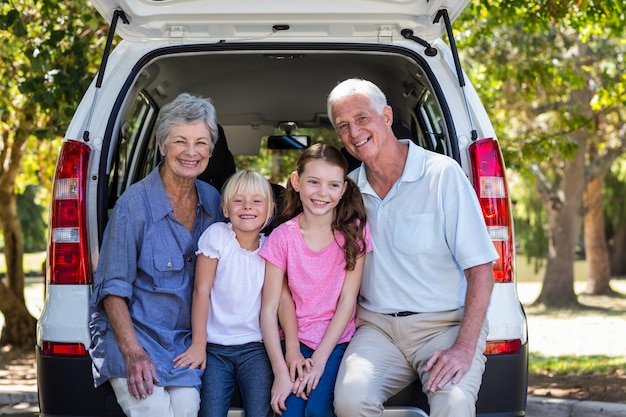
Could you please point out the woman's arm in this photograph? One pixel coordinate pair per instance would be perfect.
(140, 369)
(195, 355)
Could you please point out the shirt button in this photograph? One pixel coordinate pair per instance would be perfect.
(169, 264)
(190, 259)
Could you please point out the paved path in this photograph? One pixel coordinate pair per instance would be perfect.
(583, 335)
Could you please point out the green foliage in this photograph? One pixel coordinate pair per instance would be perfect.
(545, 70)
(614, 190)
(575, 364)
(31, 215)
(49, 52)
(527, 59)
(530, 220)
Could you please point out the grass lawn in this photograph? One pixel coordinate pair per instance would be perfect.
(33, 284)
(32, 262)
(526, 271)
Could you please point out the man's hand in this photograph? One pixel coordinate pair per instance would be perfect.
(450, 365)
(447, 366)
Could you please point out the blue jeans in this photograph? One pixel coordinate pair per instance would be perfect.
(320, 402)
(249, 367)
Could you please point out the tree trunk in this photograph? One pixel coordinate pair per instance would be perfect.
(13, 243)
(564, 210)
(19, 324)
(617, 251)
(596, 248)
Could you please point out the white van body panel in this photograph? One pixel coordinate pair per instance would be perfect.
(64, 321)
(197, 20)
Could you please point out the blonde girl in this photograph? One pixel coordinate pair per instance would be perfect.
(226, 333)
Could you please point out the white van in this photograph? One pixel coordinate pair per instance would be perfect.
(268, 67)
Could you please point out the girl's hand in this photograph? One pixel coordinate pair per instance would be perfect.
(297, 364)
(281, 389)
(309, 382)
(194, 357)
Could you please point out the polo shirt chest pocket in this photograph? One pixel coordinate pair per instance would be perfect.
(169, 270)
(413, 231)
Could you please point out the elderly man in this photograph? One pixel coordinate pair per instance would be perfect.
(427, 283)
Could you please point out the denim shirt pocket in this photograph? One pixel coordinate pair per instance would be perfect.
(169, 270)
(413, 232)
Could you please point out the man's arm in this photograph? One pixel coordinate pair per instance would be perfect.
(451, 364)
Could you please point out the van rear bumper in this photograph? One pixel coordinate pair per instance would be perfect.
(66, 388)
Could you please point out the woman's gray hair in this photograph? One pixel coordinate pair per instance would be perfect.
(183, 110)
(356, 86)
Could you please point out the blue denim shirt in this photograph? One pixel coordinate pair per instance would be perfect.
(148, 258)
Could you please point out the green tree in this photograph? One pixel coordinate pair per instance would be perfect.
(49, 52)
(552, 76)
(614, 189)
(32, 222)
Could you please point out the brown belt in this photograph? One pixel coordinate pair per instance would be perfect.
(402, 314)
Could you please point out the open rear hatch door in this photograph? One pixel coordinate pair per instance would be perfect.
(253, 20)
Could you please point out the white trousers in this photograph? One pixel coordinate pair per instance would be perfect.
(164, 401)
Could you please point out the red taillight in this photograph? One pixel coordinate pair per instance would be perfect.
(489, 181)
(502, 347)
(63, 349)
(67, 247)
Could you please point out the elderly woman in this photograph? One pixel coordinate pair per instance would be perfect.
(141, 300)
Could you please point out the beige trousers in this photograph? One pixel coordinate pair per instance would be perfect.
(164, 401)
(388, 353)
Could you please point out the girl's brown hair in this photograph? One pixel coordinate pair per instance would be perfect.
(350, 215)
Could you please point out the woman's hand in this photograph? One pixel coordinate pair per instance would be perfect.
(140, 369)
(141, 374)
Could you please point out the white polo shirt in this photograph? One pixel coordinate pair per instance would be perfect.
(425, 232)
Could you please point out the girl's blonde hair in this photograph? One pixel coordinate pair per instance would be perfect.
(250, 182)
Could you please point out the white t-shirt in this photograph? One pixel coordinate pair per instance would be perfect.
(235, 300)
(425, 232)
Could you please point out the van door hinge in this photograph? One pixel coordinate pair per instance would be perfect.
(117, 15)
(176, 34)
(385, 34)
(443, 13)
